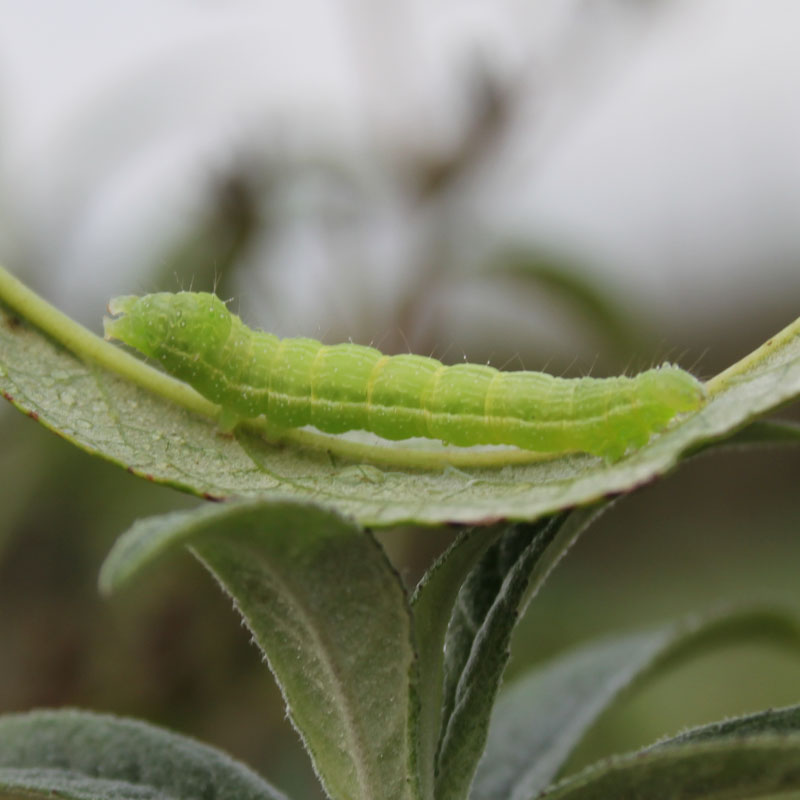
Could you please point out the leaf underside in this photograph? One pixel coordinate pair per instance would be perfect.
(477, 648)
(772, 721)
(433, 603)
(77, 754)
(281, 560)
(163, 442)
(329, 613)
(541, 717)
(466, 609)
(729, 769)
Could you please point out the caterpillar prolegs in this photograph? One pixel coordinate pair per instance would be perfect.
(337, 388)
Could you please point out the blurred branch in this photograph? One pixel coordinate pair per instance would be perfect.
(215, 245)
(573, 284)
(492, 110)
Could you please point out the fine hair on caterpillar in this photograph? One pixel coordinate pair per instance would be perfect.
(336, 388)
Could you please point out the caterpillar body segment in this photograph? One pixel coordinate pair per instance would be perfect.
(336, 388)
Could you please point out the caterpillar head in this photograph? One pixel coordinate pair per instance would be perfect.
(675, 388)
(169, 327)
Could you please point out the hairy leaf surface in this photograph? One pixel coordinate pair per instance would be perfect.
(329, 613)
(432, 604)
(730, 769)
(77, 754)
(477, 643)
(771, 721)
(541, 717)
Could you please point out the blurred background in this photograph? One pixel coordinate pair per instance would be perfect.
(576, 185)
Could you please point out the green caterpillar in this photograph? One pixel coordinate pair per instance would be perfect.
(296, 382)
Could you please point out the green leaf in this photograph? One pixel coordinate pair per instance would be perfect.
(432, 604)
(110, 404)
(76, 754)
(729, 769)
(331, 616)
(540, 718)
(478, 638)
(772, 721)
(46, 784)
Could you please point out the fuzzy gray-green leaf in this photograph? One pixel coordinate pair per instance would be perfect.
(86, 756)
(46, 784)
(432, 604)
(540, 718)
(329, 613)
(478, 639)
(773, 721)
(728, 769)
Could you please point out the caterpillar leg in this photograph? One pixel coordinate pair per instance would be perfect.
(614, 451)
(227, 420)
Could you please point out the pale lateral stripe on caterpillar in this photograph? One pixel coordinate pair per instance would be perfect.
(336, 388)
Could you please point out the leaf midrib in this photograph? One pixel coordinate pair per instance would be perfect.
(358, 751)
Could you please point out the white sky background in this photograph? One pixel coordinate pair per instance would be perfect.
(658, 141)
(682, 176)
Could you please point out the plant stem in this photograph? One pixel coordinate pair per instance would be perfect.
(86, 345)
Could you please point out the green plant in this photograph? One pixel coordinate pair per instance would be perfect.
(392, 695)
